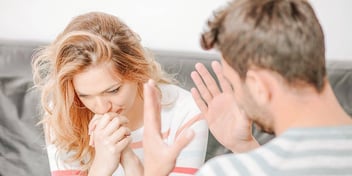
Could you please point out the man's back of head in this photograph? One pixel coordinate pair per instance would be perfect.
(283, 36)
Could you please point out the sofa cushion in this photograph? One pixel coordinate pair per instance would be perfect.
(340, 77)
(22, 146)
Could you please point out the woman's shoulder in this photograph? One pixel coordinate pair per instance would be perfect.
(176, 94)
(177, 101)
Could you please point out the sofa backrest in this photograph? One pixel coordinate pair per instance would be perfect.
(22, 141)
(182, 64)
(19, 104)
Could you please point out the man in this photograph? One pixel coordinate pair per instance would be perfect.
(273, 74)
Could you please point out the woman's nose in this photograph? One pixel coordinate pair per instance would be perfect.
(102, 105)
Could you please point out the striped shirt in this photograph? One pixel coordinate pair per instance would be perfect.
(300, 151)
(179, 111)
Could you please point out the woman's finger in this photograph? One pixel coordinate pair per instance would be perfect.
(181, 142)
(93, 122)
(115, 124)
(122, 144)
(120, 134)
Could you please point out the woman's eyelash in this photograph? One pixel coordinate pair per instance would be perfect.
(114, 91)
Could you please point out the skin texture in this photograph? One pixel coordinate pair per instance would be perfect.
(115, 104)
(100, 92)
(217, 103)
(162, 160)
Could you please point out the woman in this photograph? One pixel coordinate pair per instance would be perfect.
(91, 78)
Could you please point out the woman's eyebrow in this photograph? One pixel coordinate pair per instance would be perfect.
(105, 90)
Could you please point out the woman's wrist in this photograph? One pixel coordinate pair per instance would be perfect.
(131, 164)
(98, 170)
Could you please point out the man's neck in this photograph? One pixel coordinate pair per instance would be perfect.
(309, 109)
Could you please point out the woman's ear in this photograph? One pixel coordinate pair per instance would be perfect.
(259, 86)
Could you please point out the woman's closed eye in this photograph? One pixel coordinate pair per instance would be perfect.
(113, 91)
(83, 96)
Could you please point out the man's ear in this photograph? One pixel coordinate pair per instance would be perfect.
(258, 86)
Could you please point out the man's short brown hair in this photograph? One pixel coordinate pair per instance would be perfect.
(283, 36)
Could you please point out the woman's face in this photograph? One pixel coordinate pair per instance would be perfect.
(101, 92)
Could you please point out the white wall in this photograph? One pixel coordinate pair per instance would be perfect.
(162, 24)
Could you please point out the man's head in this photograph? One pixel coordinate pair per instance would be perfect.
(282, 37)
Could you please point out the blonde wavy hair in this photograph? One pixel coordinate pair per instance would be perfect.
(89, 40)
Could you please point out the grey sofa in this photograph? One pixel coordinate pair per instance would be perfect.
(21, 140)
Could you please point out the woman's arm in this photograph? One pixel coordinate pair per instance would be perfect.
(131, 164)
(58, 167)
